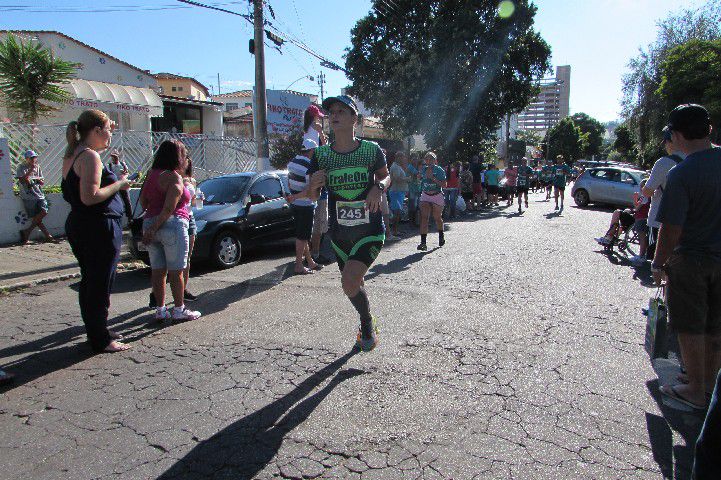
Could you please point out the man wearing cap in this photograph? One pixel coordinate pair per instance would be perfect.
(30, 180)
(523, 181)
(303, 208)
(688, 253)
(655, 185)
(356, 175)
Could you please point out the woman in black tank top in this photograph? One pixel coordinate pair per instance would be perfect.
(93, 225)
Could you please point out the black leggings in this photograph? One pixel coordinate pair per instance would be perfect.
(95, 241)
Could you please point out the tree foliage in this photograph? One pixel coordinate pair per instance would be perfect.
(565, 138)
(448, 69)
(644, 111)
(624, 144)
(593, 130)
(285, 147)
(691, 73)
(531, 138)
(31, 78)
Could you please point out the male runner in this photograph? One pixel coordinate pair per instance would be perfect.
(523, 179)
(356, 175)
(547, 178)
(560, 173)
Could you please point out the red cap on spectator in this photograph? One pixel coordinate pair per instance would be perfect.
(315, 111)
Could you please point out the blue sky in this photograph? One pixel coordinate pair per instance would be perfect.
(596, 37)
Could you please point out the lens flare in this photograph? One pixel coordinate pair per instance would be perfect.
(506, 8)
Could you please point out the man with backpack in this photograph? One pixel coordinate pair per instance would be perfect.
(655, 185)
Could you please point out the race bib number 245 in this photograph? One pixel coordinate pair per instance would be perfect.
(352, 214)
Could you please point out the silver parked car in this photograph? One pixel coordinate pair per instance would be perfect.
(612, 185)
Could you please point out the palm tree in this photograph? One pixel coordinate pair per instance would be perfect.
(31, 78)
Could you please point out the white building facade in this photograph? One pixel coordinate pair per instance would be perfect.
(126, 93)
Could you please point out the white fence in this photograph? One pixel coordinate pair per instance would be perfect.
(211, 155)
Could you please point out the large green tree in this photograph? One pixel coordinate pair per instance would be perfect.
(31, 78)
(644, 110)
(624, 143)
(691, 73)
(448, 69)
(593, 131)
(565, 138)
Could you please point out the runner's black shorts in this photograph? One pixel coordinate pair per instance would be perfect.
(521, 189)
(364, 250)
(560, 188)
(493, 189)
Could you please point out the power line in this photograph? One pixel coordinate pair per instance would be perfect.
(106, 9)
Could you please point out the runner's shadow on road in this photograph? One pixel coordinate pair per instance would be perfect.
(244, 448)
(398, 265)
(218, 300)
(669, 457)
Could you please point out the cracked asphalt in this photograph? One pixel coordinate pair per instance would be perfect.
(514, 352)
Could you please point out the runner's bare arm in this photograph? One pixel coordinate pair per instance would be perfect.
(312, 191)
(373, 200)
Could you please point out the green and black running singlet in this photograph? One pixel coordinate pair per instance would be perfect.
(349, 178)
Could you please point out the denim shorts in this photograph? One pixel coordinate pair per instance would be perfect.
(397, 198)
(169, 250)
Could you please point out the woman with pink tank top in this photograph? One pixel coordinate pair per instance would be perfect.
(165, 227)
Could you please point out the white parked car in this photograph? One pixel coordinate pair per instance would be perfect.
(611, 185)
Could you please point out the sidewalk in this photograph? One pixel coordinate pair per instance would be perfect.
(37, 262)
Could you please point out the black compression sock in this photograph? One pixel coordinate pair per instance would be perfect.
(423, 237)
(441, 236)
(362, 306)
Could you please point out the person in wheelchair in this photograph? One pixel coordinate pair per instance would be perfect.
(622, 221)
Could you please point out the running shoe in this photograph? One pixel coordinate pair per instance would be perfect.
(422, 247)
(367, 338)
(161, 313)
(189, 296)
(184, 314)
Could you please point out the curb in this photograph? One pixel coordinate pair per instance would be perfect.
(124, 266)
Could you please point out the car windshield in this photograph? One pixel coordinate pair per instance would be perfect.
(223, 189)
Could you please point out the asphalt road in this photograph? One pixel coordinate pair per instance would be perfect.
(514, 352)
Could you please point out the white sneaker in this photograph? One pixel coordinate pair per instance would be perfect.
(603, 240)
(161, 314)
(182, 313)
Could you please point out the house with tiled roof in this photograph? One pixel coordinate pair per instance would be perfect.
(181, 86)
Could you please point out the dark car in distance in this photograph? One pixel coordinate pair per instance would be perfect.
(240, 210)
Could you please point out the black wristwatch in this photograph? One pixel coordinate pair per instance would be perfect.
(381, 187)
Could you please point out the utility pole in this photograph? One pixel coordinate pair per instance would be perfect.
(508, 140)
(259, 114)
(218, 83)
(321, 81)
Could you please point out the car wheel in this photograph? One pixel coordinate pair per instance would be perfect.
(226, 249)
(581, 198)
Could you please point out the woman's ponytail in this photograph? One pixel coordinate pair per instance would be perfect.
(73, 138)
(78, 130)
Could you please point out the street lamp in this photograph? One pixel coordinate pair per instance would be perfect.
(309, 77)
